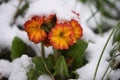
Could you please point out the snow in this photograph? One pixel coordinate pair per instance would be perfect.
(117, 58)
(5, 68)
(7, 32)
(19, 68)
(115, 75)
(45, 77)
(5, 21)
(16, 69)
(93, 52)
(87, 72)
(43, 7)
(63, 9)
(86, 10)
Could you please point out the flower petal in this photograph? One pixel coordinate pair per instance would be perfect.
(33, 29)
(36, 36)
(77, 29)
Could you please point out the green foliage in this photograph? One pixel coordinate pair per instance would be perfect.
(116, 41)
(61, 70)
(33, 74)
(106, 12)
(115, 51)
(18, 48)
(101, 6)
(40, 65)
(116, 37)
(83, 1)
(50, 63)
(64, 66)
(77, 54)
(74, 75)
(106, 8)
(40, 68)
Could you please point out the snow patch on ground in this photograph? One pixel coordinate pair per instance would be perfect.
(115, 75)
(45, 77)
(93, 53)
(16, 69)
(20, 67)
(5, 68)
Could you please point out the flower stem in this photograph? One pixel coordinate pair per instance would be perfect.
(55, 54)
(42, 50)
(47, 69)
(43, 56)
(94, 78)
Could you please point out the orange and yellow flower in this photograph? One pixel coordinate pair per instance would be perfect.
(61, 36)
(33, 28)
(77, 29)
(47, 30)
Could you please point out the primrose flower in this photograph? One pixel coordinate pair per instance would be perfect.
(61, 36)
(33, 28)
(77, 29)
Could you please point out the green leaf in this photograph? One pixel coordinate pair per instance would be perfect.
(32, 74)
(116, 37)
(50, 62)
(40, 65)
(18, 48)
(76, 53)
(61, 70)
(74, 75)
